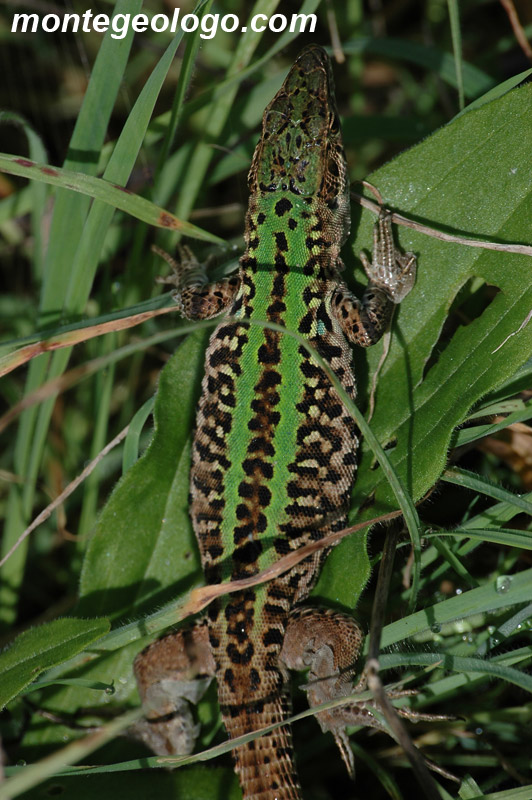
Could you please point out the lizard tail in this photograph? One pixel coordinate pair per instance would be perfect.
(265, 765)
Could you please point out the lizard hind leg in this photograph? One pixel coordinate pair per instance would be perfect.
(172, 673)
(329, 643)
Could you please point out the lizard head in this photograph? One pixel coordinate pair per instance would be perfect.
(300, 150)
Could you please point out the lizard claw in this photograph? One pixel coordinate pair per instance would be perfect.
(392, 271)
(186, 271)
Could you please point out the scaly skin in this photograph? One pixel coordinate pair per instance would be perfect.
(274, 455)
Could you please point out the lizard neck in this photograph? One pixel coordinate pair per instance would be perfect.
(289, 231)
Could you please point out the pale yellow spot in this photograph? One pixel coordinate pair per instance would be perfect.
(309, 462)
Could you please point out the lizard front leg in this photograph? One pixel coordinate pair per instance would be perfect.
(391, 277)
(172, 673)
(197, 298)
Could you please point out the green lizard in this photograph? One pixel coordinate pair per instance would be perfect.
(274, 454)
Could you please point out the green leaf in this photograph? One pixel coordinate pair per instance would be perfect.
(43, 647)
(497, 91)
(505, 536)
(143, 552)
(488, 598)
(471, 178)
(462, 477)
(136, 426)
(467, 666)
(110, 193)
(143, 546)
(479, 431)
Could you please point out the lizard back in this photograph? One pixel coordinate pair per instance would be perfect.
(274, 450)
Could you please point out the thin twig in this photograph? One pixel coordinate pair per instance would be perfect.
(382, 591)
(399, 219)
(520, 35)
(202, 596)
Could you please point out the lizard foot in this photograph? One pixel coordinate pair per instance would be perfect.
(392, 271)
(172, 673)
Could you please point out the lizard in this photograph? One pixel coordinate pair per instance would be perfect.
(275, 450)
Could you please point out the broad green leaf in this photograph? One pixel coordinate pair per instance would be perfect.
(43, 647)
(143, 552)
(498, 91)
(143, 546)
(471, 178)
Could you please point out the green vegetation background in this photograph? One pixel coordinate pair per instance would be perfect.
(176, 121)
